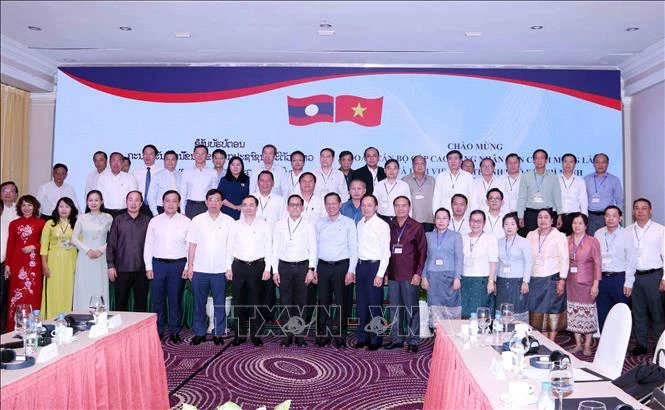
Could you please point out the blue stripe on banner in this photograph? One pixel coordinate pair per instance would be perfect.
(299, 112)
(605, 83)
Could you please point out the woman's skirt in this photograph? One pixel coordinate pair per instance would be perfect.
(581, 308)
(508, 290)
(443, 301)
(547, 310)
(474, 295)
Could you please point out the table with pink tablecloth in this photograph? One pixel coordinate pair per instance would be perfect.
(121, 370)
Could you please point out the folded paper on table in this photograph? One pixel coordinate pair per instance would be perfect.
(115, 321)
(47, 353)
(97, 330)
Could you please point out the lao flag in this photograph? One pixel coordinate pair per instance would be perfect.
(362, 111)
(309, 110)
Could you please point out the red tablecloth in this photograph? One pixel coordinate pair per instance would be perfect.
(450, 384)
(122, 370)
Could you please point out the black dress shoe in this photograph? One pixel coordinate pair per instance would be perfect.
(361, 345)
(175, 338)
(340, 342)
(257, 341)
(300, 342)
(373, 347)
(413, 349)
(218, 340)
(238, 341)
(286, 342)
(322, 341)
(639, 350)
(395, 345)
(197, 340)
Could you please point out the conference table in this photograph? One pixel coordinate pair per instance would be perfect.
(462, 379)
(123, 369)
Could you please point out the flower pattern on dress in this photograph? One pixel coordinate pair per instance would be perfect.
(24, 231)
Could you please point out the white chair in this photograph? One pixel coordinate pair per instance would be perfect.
(660, 345)
(613, 342)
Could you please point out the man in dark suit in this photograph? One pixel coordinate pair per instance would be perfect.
(371, 172)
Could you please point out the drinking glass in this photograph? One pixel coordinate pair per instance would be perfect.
(507, 314)
(484, 320)
(591, 405)
(23, 320)
(561, 380)
(96, 306)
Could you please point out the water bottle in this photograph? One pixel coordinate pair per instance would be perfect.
(545, 400)
(60, 325)
(473, 326)
(38, 320)
(497, 327)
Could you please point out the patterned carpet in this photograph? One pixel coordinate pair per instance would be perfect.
(314, 378)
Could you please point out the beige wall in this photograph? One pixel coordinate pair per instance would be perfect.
(647, 148)
(40, 139)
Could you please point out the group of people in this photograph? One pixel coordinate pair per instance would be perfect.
(550, 243)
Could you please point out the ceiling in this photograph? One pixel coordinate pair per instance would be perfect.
(573, 34)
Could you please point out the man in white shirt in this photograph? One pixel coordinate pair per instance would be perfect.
(313, 208)
(451, 182)
(206, 265)
(50, 192)
(294, 268)
(268, 154)
(511, 182)
(388, 189)
(4, 232)
(249, 253)
(196, 182)
(649, 285)
(481, 185)
(291, 183)
(619, 260)
(493, 215)
(165, 257)
(145, 175)
(329, 179)
(9, 194)
(459, 222)
(100, 160)
(469, 166)
(373, 258)
(168, 179)
(573, 194)
(337, 246)
(218, 160)
(115, 186)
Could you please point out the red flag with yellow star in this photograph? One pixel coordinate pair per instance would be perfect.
(362, 111)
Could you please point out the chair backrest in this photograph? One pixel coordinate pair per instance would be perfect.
(660, 345)
(613, 343)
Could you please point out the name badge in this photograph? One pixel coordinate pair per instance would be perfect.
(438, 262)
(65, 244)
(538, 198)
(573, 269)
(595, 199)
(397, 248)
(607, 260)
(419, 196)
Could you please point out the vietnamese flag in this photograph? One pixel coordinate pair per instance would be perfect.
(362, 111)
(310, 110)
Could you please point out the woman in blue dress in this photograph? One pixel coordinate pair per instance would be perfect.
(443, 269)
(235, 186)
(514, 271)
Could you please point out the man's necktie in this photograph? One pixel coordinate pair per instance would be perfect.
(147, 185)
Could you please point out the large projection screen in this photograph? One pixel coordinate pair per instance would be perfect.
(401, 111)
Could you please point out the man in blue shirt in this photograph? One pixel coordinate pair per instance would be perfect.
(351, 208)
(603, 190)
(337, 248)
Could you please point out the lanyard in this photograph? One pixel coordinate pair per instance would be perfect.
(542, 242)
(564, 182)
(400, 232)
(513, 183)
(493, 225)
(601, 182)
(263, 207)
(460, 225)
(487, 187)
(473, 245)
(451, 178)
(542, 179)
(63, 231)
(292, 232)
(639, 240)
(438, 235)
(508, 249)
(576, 247)
(323, 176)
(296, 181)
(420, 186)
(385, 186)
(610, 243)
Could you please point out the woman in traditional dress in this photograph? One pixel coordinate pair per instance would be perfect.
(547, 289)
(59, 259)
(23, 265)
(443, 270)
(481, 254)
(582, 284)
(514, 271)
(89, 237)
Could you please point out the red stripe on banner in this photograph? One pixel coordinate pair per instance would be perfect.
(310, 120)
(243, 92)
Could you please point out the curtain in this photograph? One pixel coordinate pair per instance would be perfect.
(14, 114)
